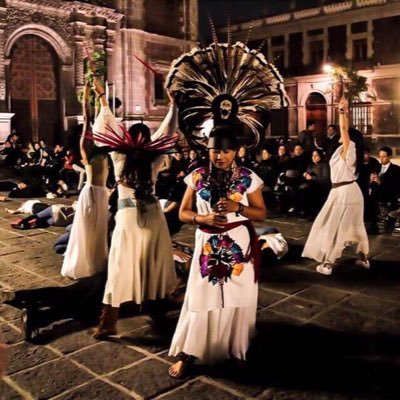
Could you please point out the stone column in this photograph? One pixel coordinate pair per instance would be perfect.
(306, 49)
(79, 37)
(286, 51)
(349, 43)
(370, 39)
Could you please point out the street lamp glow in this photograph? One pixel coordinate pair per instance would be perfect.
(328, 68)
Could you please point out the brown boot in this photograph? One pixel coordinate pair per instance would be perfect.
(108, 323)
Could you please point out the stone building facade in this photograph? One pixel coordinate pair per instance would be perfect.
(361, 33)
(42, 58)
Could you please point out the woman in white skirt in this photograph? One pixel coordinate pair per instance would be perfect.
(140, 263)
(87, 249)
(218, 315)
(340, 222)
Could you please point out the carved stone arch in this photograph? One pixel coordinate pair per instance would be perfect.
(49, 35)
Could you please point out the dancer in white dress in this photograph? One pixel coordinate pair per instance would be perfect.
(140, 264)
(87, 249)
(218, 315)
(340, 222)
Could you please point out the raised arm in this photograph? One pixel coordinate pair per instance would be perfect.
(105, 118)
(344, 125)
(86, 146)
(168, 126)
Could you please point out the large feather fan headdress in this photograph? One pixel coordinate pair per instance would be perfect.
(225, 83)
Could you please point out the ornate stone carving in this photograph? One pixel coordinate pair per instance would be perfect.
(2, 89)
(18, 17)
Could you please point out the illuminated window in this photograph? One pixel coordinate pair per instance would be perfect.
(361, 117)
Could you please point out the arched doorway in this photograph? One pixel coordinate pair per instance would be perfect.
(316, 111)
(34, 89)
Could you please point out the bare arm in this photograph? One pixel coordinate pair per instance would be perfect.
(86, 146)
(168, 126)
(344, 125)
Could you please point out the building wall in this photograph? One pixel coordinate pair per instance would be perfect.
(128, 31)
(362, 34)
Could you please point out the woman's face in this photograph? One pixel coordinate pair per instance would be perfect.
(222, 159)
(281, 151)
(315, 157)
(265, 155)
(37, 146)
(192, 155)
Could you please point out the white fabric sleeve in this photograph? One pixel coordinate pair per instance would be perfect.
(351, 155)
(189, 180)
(104, 120)
(256, 183)
(168, 125)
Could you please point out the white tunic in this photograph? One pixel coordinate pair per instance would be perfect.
(218, 316)
(340, 222)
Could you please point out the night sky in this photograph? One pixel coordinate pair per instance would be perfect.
(245, 10)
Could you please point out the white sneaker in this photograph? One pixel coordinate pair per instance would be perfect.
(325, 269)
(364, 264)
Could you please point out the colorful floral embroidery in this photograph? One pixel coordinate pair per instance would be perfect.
(221, 257)
(240, 182)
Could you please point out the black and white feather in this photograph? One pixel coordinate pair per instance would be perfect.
(221, 71)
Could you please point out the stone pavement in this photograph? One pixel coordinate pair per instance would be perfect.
(318, 337)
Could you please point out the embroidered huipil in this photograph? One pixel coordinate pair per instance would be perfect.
(220, 274)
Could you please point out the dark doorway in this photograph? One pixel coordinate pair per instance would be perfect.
(317, 112)
(34, 89)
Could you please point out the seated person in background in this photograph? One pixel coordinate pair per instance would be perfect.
(314, 190)
(267, 171)
(243, 158)
(21, 190)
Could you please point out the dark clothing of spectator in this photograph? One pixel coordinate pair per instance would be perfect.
(30, 191)
(332, 143)
(308, 140)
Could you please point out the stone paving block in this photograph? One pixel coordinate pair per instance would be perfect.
(25, 355)
(241, 382)
(147, 339)
(8, 393)
(268, 297)
(96, 390)
(323, 295)
(291, 394)
(129, 324)
(148, 379)
(201, 391)
(298, 308)
(9, 335)
(342, 319)
(106, 357)
(19, 256)
(384, 292)
(8, 269)
(393, 313)
(9, 313)
(73, 338)
(49, 380)
(388, 327)
(367, 304)
(8, 250)
(267, 316)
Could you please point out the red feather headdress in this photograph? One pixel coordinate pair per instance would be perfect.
(125, 143)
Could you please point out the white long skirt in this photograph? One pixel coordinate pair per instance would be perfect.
(140, 264)
(87, 249)
(215, 335)
(339, 224)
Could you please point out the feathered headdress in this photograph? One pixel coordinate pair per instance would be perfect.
(123, 142)
(225, 83)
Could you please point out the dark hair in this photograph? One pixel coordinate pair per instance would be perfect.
(298, 144)
(224, 137)
(320, 153)
(137, 170)
(309, 123)
(387, 150)
(357, 137)
(333, 126)
(367, 149)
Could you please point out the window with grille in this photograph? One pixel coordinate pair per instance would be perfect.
(360, 50)
(159, 92)
(361, 118)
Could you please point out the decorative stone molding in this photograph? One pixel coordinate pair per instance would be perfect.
(367, 3)
(308, 13)
(62, 49)
(16, 18)
(337, 8)
(276, 19)
(70, 6)
(2, 89)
